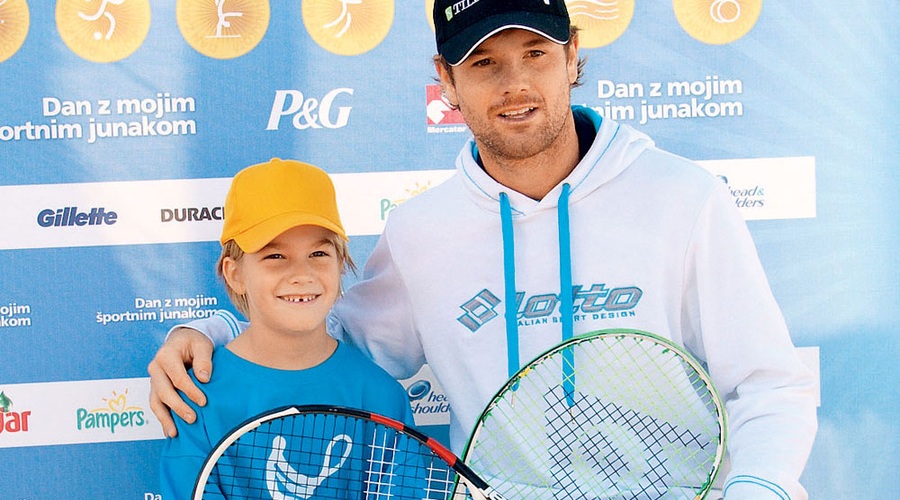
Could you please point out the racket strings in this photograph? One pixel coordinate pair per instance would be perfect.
(633, 420)
(329, 456)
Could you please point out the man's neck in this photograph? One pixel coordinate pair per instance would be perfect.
(536, 175)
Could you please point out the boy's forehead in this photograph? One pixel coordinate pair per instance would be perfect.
(303, 234)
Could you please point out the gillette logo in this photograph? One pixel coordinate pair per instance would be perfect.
(70, 216)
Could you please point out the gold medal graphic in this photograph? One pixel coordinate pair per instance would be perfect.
(103, 30)
(348, 27)
(223, 29)
(429, 9)
(14, 21)
(600, 23)
(717, 22)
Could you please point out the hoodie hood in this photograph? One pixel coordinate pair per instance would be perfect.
(613, 149)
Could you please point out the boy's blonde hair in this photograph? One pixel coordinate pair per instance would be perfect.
(231, 249)
(269, 198)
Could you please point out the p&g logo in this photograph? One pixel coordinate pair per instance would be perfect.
(308, 112)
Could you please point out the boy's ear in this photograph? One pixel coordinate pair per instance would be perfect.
(231, 271)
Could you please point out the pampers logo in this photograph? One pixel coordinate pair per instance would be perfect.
(71, 216)
(191, 214)
(387, 204)
(116, 414)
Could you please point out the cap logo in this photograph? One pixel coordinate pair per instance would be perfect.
(459, 7)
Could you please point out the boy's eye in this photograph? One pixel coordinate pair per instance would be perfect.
(319, 253)
(274, 256)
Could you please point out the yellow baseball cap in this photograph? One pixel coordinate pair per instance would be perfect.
(267, 199)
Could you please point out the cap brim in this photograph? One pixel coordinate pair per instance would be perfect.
(458, 48)
(255, 238)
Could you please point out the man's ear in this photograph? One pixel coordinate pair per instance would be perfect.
(448, 89)
(572, 63)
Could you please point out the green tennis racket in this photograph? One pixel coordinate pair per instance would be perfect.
(614, 414)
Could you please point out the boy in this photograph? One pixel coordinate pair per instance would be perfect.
(283, 253)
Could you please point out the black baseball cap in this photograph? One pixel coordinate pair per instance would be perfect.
(462, 25)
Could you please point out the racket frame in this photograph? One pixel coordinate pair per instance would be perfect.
(681, 352)
(477, 487)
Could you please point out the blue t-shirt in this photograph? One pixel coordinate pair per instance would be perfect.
(240, 389)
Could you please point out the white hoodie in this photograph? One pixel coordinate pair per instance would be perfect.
(657, 244)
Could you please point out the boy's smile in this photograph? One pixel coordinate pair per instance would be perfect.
(291, 283)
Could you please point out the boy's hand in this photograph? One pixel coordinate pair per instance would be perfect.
(168, 370)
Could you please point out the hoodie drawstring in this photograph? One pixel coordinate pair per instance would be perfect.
(566, 306)
(509, 286)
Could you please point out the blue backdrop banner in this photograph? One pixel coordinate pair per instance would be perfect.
(122, 121)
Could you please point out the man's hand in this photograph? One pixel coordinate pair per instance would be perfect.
(168, 370)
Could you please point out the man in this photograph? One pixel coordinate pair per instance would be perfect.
(467, 277)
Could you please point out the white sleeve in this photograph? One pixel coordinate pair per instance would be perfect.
(732, 321)
(376, 315)
(220, 328)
